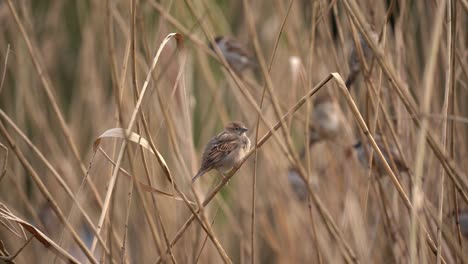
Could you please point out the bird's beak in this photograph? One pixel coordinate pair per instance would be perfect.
(244, 129)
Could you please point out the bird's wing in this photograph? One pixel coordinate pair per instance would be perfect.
(235, 47)
(218, 148)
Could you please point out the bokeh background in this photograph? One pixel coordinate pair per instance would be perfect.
(71, 70)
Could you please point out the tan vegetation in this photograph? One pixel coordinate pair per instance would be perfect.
(106, 106)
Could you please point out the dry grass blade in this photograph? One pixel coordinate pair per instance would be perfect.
(136, 110)
(4, 68)
(3, 251)
(254, 178)
(260, 143)
(5, 159)
(54, 171)
(449, 91)
(41, 237)
(10, 258)
(134, 137)
(457, 175)
(395, 180)
(119, 133)
(428, 84)
(46, 84)
(104, 120)
(10, 225)
(46, 192)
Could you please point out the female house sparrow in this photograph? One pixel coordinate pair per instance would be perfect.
(225, 150)
(363, 156)
(354, 62)
(237, 57)
(325, 121)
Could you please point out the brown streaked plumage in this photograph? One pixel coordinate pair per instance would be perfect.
(236, 55)
(225, 150)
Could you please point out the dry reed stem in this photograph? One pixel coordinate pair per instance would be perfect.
(4, 68)
(274, 222)
(331, 226)
(145, 125)
(135, 88)
(5, 160)
(54, 172)
(128, 130)
(254, 178)
(42, 187)
(377, 150)
(131, 47)
(48, 88)
(35, 233)
(202, 219)
(428, 84)
(448, 164)
(144, 187)
(455, 173)
(451, 5)
(157, 212)
(216, 55)
(333, 229)
(10, 259)
(314, 23)
(188, 203)
(118, 103)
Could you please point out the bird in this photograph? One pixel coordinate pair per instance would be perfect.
(235, 54)
(363, 156)
(354, 61)
(326, 123)
(225, 150)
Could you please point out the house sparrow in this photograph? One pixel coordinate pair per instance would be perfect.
(234, 53)
(325, 121)
(354, 62)
(225, 150)
(363, 156)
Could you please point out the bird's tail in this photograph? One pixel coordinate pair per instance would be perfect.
(199, 173)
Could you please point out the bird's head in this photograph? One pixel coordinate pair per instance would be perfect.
(236, 127)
